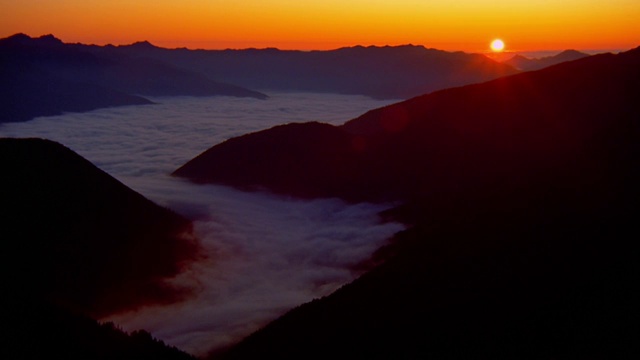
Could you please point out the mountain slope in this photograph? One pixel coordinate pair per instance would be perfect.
(73, 235)
(522, 196)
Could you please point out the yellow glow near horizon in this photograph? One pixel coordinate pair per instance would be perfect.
(461, 25)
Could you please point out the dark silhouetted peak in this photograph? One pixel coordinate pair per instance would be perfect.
(570, 55)
(19, 38)
(25, 40)
(49, 40)
(142, 45)
(519, 62)
(518, 57)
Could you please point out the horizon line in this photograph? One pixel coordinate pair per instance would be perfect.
(163, 45)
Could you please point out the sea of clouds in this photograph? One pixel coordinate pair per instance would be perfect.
(265, 254)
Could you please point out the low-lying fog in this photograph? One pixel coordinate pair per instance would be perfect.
(266, 254)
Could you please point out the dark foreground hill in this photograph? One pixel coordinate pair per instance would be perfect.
(43, 76)
(391, 72)
(74, 236)
(76, 242)
(522, 195)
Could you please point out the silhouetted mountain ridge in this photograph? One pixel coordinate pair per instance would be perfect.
(143, 45)
(25, 40)
(44, 76)
(382, 72)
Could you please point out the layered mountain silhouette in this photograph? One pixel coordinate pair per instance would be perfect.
(507, 129)
(522, 198)
(44, 76)
(74, 236)
(523, 63)
(392, 72)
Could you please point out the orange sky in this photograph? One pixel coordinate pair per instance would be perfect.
(467, 25)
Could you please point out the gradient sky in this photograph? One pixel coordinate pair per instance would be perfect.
(467, 25)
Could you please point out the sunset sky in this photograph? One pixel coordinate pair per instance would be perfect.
(467, 25)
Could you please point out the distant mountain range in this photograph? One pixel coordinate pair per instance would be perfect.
(44, 76)
(522, 195)
(523, 63)
(391, 72)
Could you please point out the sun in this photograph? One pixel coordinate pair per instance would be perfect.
(497, 45)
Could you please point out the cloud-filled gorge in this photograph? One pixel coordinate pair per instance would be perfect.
(265, 254)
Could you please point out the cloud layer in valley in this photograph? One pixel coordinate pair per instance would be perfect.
(265, 254)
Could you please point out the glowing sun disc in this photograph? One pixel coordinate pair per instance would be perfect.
(497, 45)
